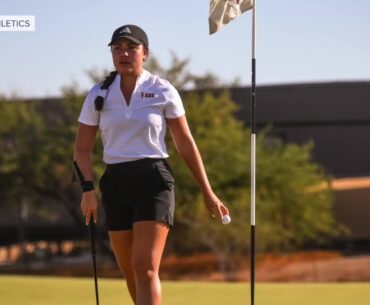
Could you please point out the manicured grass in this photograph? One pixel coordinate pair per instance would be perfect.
(27, 290)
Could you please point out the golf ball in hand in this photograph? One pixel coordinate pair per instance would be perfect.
(226, 219)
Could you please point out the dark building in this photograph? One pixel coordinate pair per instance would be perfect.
(336, 116)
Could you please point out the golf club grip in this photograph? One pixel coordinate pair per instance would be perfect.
(92, 236)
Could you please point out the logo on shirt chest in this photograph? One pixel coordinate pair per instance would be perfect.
(147, 94)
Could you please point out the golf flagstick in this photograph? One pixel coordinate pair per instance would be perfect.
(222, 12)
(253, 154)
(93, 255)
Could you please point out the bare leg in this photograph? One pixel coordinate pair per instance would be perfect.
(148, 245)
(122, 247)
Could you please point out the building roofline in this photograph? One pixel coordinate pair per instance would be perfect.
(265, 86)
(332, 83)
(320, 84)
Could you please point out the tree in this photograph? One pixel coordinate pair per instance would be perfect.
(288, 215)
(19, 131)
(179, 75)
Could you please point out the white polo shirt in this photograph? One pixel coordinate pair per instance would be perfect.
(134, 131)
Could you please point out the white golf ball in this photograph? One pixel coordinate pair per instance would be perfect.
(226, 219)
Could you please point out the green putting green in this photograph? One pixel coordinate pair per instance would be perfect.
(31, 290)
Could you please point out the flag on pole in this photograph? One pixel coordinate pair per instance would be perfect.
(222, 12)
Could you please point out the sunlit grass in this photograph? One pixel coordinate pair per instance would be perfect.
(21, 290)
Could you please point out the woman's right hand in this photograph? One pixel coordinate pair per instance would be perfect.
(89, 205)
(214, 205)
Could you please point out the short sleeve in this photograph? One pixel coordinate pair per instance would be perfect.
(174, 106)
(88, 114)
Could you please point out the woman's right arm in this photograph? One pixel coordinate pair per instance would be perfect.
(83, 153)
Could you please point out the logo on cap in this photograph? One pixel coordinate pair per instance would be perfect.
(126, 30)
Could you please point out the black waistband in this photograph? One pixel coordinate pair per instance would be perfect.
(135, 163)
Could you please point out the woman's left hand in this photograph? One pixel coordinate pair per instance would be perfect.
(215, 206)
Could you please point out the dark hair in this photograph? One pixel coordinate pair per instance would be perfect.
(99, 101)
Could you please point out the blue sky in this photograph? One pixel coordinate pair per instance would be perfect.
(297, 41)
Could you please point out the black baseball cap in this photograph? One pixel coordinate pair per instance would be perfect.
(131, 32)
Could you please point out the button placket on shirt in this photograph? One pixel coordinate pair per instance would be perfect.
(128, 107)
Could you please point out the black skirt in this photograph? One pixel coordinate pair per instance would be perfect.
(141, 190)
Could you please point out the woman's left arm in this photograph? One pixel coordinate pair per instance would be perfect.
(188, 150)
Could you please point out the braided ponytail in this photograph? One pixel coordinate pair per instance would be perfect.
(99, 101)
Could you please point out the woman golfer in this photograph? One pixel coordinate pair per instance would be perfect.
(132, 109)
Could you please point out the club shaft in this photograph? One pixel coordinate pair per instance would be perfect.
(95, 281)
(93, 256)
